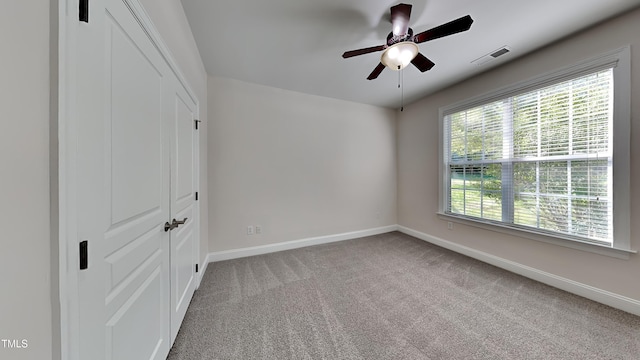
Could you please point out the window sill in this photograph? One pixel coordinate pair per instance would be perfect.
(556, 240)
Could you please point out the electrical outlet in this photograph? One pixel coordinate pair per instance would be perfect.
(250, 230)
(258, 229)
(450, 225)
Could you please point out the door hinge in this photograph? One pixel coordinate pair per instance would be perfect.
(196, 267)
(83, 11)
(84, 255)
(196, 196)
(197, 123)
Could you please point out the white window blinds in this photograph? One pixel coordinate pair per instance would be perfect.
(542, 159)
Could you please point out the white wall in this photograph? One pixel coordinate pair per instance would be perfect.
(298, 165)
(171, 22)
(25, 242)
(418, 156)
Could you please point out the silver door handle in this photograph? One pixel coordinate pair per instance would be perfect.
(168, 227)
(177, 223)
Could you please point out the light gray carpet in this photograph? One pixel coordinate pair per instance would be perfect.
(392, 296)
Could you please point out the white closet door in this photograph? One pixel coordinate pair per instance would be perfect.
(123, 188)
(183, 205)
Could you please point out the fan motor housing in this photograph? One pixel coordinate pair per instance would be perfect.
(393, 39)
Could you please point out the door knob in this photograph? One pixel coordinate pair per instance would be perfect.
(174, 224)
(168, 227)
(177, 223)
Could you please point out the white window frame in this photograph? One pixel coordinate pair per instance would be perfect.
(620, 61)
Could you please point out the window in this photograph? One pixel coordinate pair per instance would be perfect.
(539, 156)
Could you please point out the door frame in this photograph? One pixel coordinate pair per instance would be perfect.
(68, 297)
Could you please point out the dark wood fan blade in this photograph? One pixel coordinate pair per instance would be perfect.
(400, 15)
(374, 74)
(422, 63)
(450, 28)
(351, 53)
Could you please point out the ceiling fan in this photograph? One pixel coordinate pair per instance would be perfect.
(401, 47)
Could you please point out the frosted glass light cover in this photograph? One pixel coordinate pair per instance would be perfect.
(399, 55)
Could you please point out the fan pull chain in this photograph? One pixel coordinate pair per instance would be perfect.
(402, 92)
(401, 81)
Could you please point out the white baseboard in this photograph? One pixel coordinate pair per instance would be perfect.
(265, 249)
(602, 296)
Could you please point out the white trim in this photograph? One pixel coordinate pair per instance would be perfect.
(197, 206)
(619, 60)
(67, 234)
(602, 296)
(551, 238)
(295, 244)
(622, 150)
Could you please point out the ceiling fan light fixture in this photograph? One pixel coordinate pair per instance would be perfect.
(399, 55)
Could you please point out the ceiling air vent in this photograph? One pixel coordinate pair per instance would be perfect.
(491, 56)
(500, 52)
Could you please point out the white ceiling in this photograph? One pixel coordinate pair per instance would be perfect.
(297, 44)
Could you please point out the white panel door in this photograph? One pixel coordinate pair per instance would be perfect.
(123, 188)
(183, 205)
